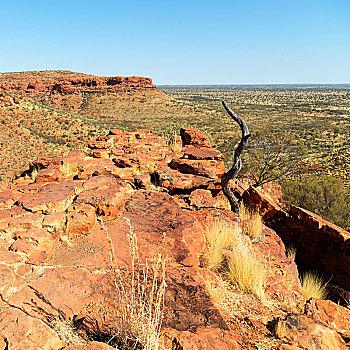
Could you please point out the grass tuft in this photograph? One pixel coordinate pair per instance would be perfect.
(66, 331)
(220, 235)
(247, 270)
(280, 329)
(313, 285)
(242, 265)
(252, 222)
(140, 300)
(291, 252)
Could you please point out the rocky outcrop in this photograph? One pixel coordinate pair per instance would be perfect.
(70, 83)
(65, 236)
(320, 244)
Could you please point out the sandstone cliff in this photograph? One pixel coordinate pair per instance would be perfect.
(65, 82)
(65, 224)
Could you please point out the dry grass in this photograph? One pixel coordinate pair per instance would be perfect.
(253, 228)
(68, 169)
(244, 212)
(247, 270)
(220, 235)
(252, 222)
(66, 331)
(313, 286)
(280, 329)
(243, 266)
(140, 299)
(176, 145)
(291, 252)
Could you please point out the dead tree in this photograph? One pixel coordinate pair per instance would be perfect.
(237, 161)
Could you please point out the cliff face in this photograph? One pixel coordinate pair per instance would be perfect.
(65, 228)
(70, 83)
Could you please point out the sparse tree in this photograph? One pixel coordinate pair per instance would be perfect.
(270, 157)
(237, 161)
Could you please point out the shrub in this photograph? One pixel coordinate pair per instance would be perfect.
(323, 195)
(270, 157)
(313, 286)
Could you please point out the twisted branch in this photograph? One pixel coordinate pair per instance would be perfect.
(237, 161)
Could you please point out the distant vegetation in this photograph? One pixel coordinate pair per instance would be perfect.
(317, 117)
(323, 195)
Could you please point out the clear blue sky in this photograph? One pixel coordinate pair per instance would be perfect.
(181, 42)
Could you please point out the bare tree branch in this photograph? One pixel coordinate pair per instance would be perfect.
(237, 161)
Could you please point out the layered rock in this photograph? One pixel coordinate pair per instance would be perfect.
(71, 83)
(320, 244)
(66, 235)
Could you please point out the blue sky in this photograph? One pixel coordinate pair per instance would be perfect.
(181, 42)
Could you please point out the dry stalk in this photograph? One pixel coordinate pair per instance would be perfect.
(140, 298)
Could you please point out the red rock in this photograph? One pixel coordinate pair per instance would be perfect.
(81, 219)
(269, 210)
(100, 153)
(307, 333)
(319, 244)
(174, 180)
(37, 235)
(91, 346)
(30, 247)
(8, 257)
(100, 167)
(26, 222)
(107, 199)
(202, 338)
(5, 215)
(21, 331)
(54, 222)
(98, 144)
(333, 315)
(115, 132)
(6, 278)
(49, 174)
(205, 168)
(116, 152)
(7, 199)
(203, 199)
(152, 215)
(196, 153)
(143, 181)
(56, 286)
(17, 211)
(51, 198)
(24, 270)
(93, 250)
(194, 137)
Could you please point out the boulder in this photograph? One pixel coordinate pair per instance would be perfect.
(308, 333)
(205, 168)
(21, 331)
(194, 138)
(333, 315)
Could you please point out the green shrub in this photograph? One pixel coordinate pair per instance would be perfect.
(323, 195)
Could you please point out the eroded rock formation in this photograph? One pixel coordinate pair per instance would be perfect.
(70, 83)
(64, 229)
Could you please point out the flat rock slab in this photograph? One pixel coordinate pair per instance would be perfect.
(51, 198)
(155, 218)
